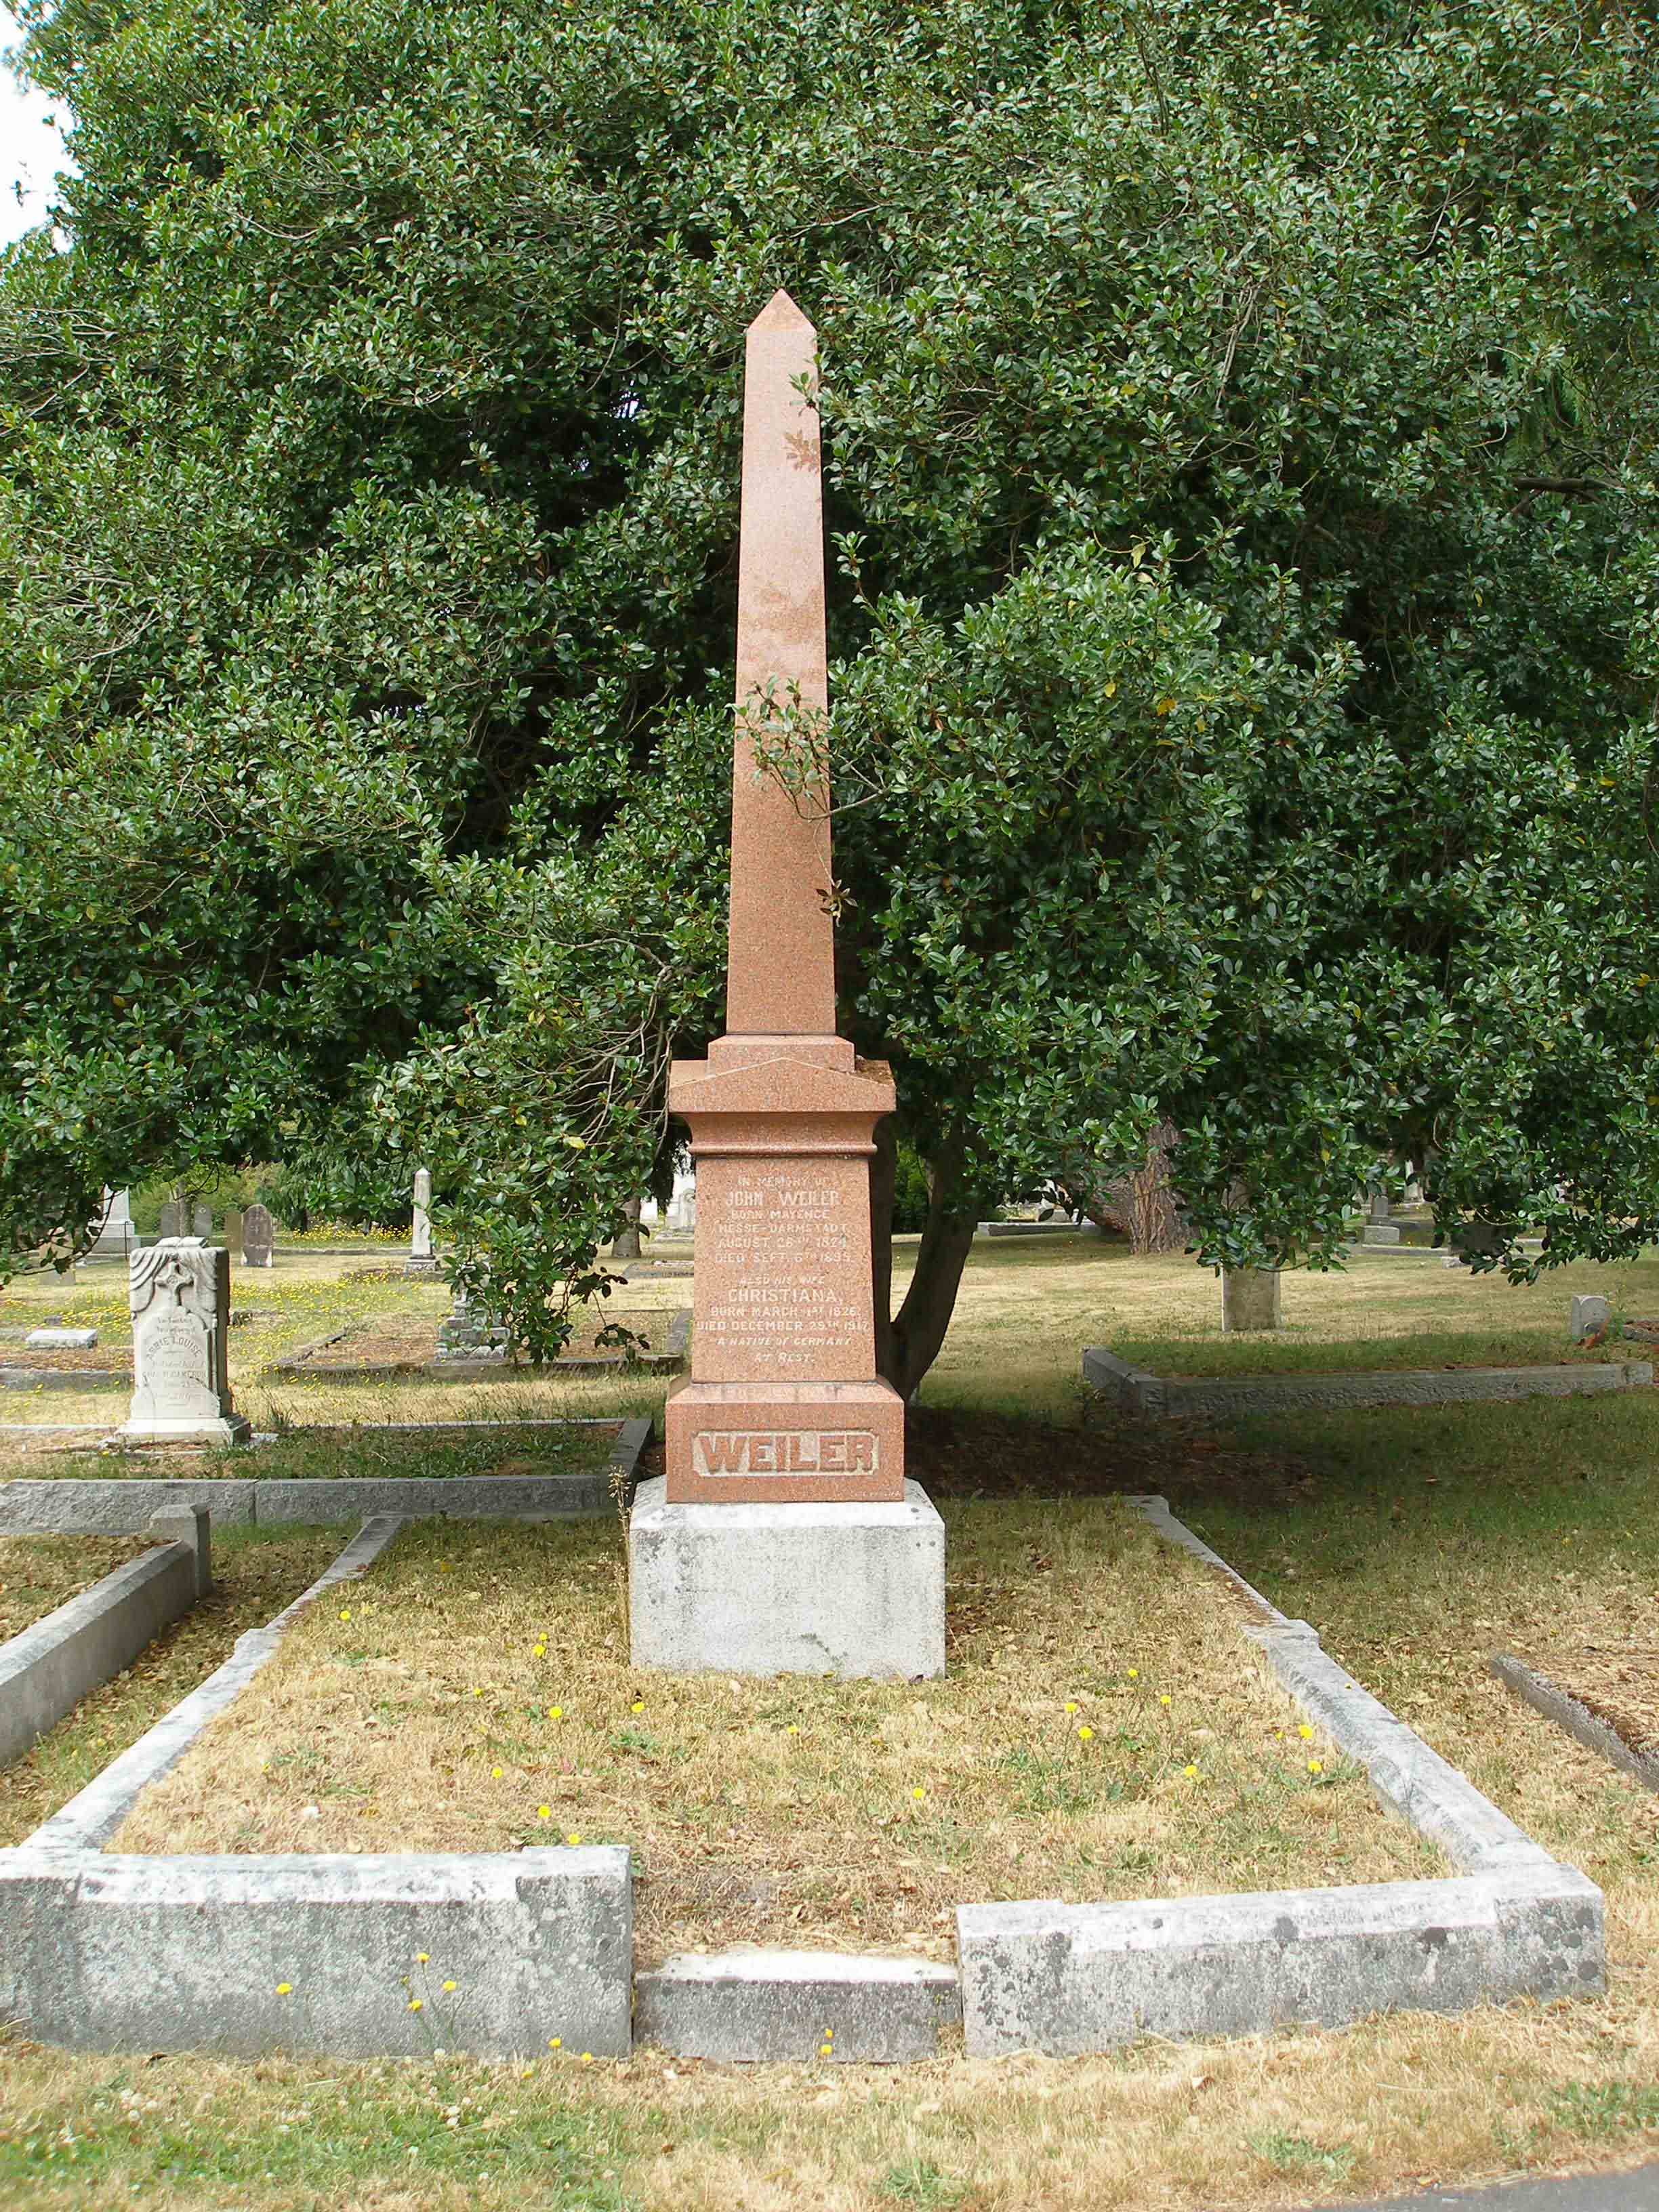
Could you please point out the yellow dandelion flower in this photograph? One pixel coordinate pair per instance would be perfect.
(422, 1958)
(556, 1712)
(345, 1612)
(554, 2042)
(1316, 1766)
(494, 1773)
(543, 1812)
(1191, 1772)
(791, 1729)
(1134, 1674)
(638, 1706)
(449, 1985)
(1085, 1734)
(1163, 1700)
(284, 1989)
(538, 1650)
(918, 1795)
(1304, 1731)
(574, 1837)
(415, 2004)
(587, 2058)
(1071, 1705)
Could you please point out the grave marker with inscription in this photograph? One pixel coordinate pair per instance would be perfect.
(784, 1537)
(783, 1401)
(258, 1237)
(178, 1290)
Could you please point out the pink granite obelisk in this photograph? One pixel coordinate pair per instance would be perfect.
(783, 1403)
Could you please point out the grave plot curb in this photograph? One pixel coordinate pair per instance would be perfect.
(461, 1366)
(1579, 1722)
(1066, 1979)
(46, 1670)
(1162, 1397)
(85, 1931)
(123, 1504)
(351, 1956)
(90, 1379)
(355, 1956)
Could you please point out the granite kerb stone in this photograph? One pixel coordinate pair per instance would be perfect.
(1070, 1979)
(119, 1505)
(1220, 1398)
(47, 1670)
(248, 1955)
(1576, 1718)
(760, 2005)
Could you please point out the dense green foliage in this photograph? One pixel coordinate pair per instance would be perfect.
(1240, 430)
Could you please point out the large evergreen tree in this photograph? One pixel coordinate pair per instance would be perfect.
(1240, 429)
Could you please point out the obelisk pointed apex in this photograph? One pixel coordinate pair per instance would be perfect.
(781, 959)
(780, 313)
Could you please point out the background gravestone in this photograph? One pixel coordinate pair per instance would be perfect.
(173, 1219)
(180, 1295)
(201, 1218)
(116, 1235)
(419, 1261)
(1250, 1299)
(232, 1236)
(258, 1237)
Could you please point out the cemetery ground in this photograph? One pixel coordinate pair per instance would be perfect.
(1417, 1539)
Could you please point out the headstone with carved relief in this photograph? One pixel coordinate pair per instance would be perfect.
(178, 1290)
(421, 1260)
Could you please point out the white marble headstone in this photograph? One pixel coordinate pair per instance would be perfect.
(178, 1290)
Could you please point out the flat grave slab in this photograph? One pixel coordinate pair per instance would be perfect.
(1176, 1397)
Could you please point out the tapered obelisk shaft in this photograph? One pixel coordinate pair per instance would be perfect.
(780, 975)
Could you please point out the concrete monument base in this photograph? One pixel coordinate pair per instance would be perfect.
(807, 1588)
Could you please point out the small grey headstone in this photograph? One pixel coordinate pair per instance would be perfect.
(258, 1236)
(1588, 1315)
(61, 1339)
(173, 1219)
(1380, 1233)
(201, 1218)
(232, 1237)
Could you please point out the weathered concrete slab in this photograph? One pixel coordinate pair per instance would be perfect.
(47, 1670)
(246, 1956)
(418, 1498)
(1579, 1722)
(771, 2004)
(1067, 1979)
(1218, 1398)
(62, 1378)
(61, 1340)
(118, 1506)
(123, 1505)
(853, 1589)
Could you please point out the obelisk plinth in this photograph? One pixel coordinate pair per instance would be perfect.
(783, 1403)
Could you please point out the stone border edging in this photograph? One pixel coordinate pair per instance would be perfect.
(1165, 1397)
(123, 1504)
(93, 1814)
(760, 2005)
(1067, 1979)
(85, 1932)
(46, 1670)
(245, 1956)
(1579, 1722)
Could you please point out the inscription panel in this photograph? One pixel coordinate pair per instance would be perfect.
(172, 1364)
(783, 1271)
(785, 1452)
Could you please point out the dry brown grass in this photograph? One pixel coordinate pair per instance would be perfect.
(39, 1573)
(479, 1675)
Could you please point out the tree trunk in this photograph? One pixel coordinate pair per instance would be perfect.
(908, 1342)
(627, 1245)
